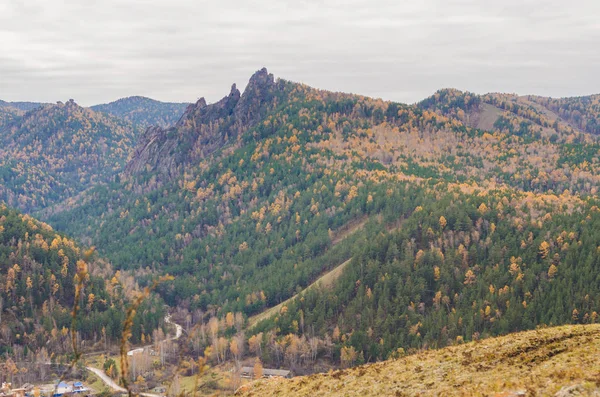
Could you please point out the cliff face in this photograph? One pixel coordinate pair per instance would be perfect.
(203, 128)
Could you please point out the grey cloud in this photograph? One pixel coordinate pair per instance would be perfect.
(179, 50)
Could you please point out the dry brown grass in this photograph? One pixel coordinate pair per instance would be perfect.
(538, 362)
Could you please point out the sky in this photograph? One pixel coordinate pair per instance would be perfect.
(178, 50)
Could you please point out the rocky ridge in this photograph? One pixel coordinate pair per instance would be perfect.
(203, 128)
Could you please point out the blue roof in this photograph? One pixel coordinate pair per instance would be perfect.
(63, 384)
(77, 384)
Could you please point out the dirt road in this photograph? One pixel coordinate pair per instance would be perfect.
(113, 385)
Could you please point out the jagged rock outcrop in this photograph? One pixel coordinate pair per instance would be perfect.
(203, 128)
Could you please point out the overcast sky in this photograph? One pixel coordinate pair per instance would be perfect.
(179, 50)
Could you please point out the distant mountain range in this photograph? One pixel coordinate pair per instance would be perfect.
(140, 111)
(143, 112)
(23, 106)
(51, 152)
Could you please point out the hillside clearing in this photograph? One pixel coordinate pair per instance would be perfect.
(326, 281)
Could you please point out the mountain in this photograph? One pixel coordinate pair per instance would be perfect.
(556, 362)
(143, 112)
(461, 217)
(203, 128)
(56, 151)
(518, 115)
(12, 111)
(9, 114)
(581, 112)
(23, 106)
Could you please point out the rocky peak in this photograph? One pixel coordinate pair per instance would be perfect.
(259, 90)
(204, 128)
(201, 103)
(69, 106)
(234, 93)
(260, 80)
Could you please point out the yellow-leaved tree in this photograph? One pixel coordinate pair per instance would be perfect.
(258, 369)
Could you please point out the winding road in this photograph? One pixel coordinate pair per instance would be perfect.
(113, 385)
(106, 379)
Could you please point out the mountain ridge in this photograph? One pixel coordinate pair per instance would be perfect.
(143, 112)
(24, 106)
(62, 149)
(164, 150)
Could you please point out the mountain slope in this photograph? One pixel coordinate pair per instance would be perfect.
(143, 112)
(12, 111)
(23, 106)
(581, 112)
(39, 273)
(56, 151)
(553, 361)
(203, 129)
(519, 115)
(463, 266)
(9, 114)
(242, 200)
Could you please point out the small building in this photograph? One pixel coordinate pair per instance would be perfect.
(61, 389)
(248, 372)
(79, 388)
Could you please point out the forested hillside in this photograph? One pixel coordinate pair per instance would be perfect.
(56, 151)
(461, 267)
(40, 273)
(143, 112)
(23, 106)
(9, 114)
(51, 153)
(581, 112)
(12, 111)
(470, 216)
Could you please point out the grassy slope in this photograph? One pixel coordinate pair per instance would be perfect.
(539, 362)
